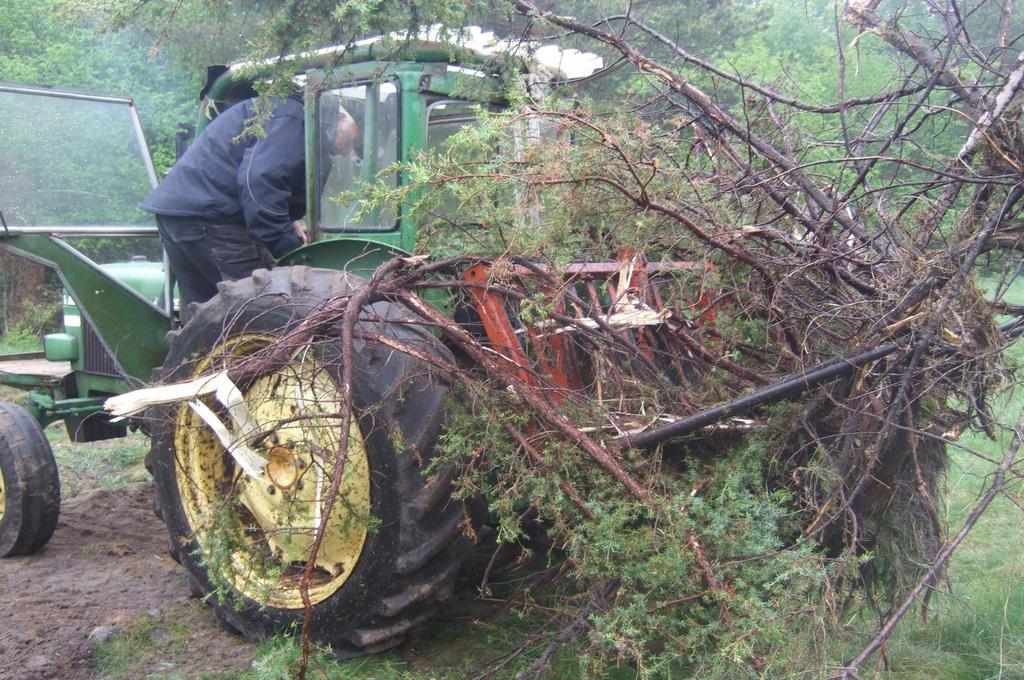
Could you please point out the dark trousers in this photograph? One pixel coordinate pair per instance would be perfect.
(202, 253)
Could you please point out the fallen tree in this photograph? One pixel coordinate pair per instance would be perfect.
(818, 265)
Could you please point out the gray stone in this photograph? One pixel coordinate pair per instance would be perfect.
(156, 613)
(161, 636)
(101, 635)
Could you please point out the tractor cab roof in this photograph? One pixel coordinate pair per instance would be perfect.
(470, 49)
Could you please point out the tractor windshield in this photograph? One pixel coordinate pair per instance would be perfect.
(70, 161)
(76, 165)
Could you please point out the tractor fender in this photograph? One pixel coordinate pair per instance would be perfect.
(361, 257)
(355, 255)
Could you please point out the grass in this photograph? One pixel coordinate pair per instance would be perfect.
(975, 629)
(975, 625)
(459, 648)
(14, 343)
(109, 464)
(128, 653)
(474, 636)
(154, 648)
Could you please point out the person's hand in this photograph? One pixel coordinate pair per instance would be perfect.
(300, 230)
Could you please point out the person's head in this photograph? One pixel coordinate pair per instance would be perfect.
(348, 136)
(340, 127)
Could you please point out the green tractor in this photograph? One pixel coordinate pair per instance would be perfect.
(395, 542)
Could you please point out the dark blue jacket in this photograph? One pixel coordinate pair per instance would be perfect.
(258, 181)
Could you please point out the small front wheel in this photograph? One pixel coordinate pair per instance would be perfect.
(29, 483)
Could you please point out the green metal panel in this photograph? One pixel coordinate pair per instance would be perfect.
(371, 117)
(146, 278)
(312, 218)
(72, 320)
(414, 140)
(28, 381)
(130, 327)
(93, 383)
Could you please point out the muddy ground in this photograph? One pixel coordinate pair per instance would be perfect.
(107, 565)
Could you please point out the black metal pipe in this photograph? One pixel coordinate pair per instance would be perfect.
(777, 391)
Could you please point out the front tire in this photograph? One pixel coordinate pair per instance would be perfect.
(394, 544)
(29, 484)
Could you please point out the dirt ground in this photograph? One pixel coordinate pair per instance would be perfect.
(107, 565)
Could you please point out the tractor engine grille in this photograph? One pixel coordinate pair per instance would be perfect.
(97, 359)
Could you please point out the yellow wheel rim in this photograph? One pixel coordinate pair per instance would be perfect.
(255, 535)
(3, 495)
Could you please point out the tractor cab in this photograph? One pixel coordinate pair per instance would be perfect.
(406, 98)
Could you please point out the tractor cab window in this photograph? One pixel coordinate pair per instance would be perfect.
(446, 117)
(358, 139)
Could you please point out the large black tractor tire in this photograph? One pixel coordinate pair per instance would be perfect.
(29, 484)
(413, 546)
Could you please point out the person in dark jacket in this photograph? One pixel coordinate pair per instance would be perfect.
(233, 203)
